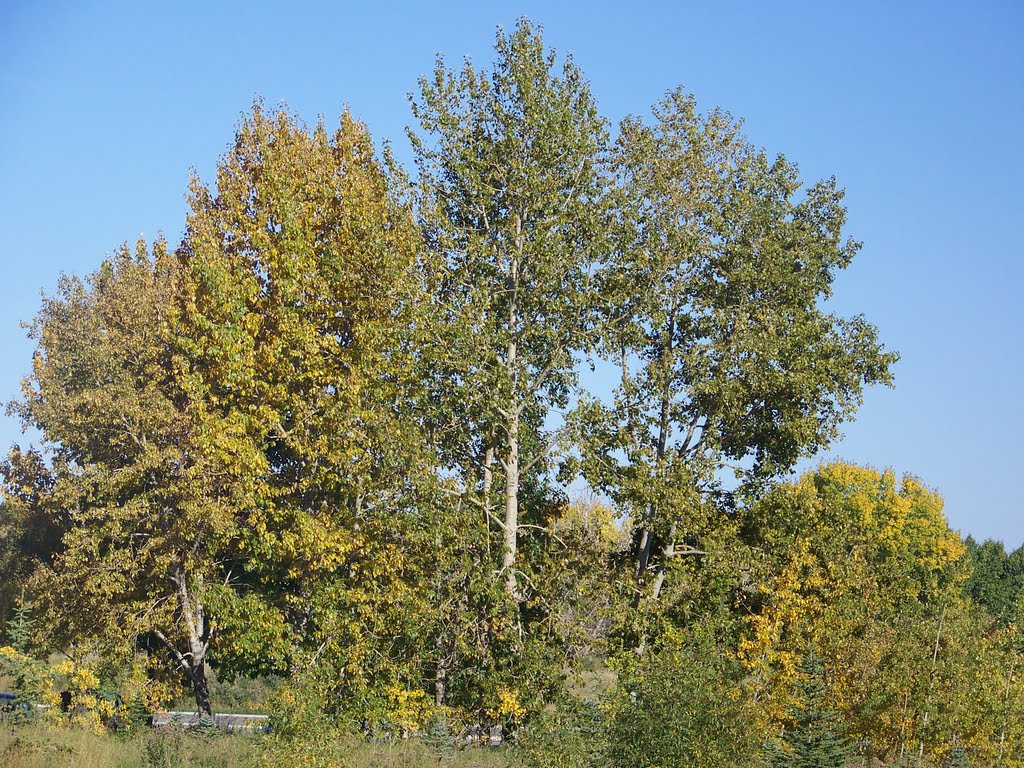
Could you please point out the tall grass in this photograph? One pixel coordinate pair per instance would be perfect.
(41, 746)
(34, 745)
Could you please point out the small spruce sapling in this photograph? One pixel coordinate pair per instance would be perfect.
(19, 628)
(957, 758)
(818, 736)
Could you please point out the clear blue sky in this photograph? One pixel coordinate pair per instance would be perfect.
(917, 108)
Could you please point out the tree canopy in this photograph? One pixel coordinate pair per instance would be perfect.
(338, 434)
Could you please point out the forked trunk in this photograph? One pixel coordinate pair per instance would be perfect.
(197, 636)
(201, 689)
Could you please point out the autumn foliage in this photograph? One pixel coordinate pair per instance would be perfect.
(336, 434)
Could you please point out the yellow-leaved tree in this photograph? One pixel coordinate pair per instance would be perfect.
(144, 513)
(862, 570)
(231, 457)
(300, 330)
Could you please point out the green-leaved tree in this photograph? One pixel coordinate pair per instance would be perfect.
(510, 165)
(729, 362)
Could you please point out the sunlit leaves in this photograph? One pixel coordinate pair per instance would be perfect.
(863, 571)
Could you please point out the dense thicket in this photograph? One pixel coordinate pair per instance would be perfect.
(330, 437)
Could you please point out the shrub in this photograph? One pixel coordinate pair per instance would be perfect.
(572, 735)
(680, 706)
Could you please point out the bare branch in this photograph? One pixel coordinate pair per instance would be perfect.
(174, 650)
(546, 530)
(495, 518)
(689, 432)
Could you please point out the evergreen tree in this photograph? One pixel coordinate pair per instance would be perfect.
(957, 758)
(19, 628)
(817, 738)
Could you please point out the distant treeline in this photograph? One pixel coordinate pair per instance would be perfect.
(997, 578)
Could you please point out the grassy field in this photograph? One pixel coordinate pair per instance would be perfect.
(40, 746)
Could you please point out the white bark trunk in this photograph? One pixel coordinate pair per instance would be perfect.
(511, 528)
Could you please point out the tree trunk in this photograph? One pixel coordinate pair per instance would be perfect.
(441, 673)
(903, 724)
(201, 689)
(198, 637)
(511, 463)
(931, 683)
(488, 482)
(1006, 707)
(668, 552)
(485, 493)
(647, 542)
(511, 525)
(647, 536)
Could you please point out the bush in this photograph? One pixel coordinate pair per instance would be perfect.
(573, 735)
(30, 681)
(680, 706)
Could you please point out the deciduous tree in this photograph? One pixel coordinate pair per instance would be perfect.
(863, 571)
(147, 513)
(300, 329)
(510, 167)
(713, 312)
